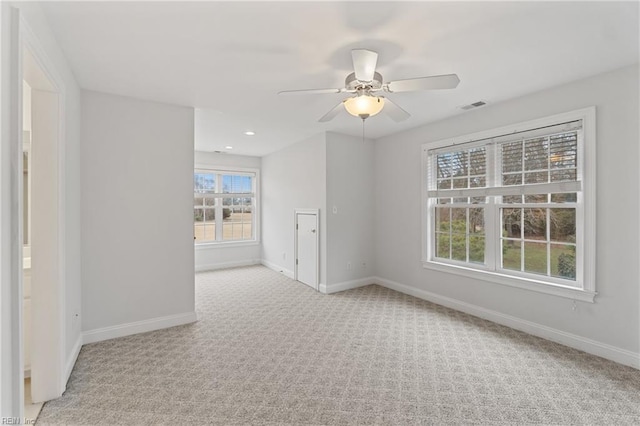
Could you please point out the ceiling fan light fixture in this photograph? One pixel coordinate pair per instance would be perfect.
(364, 106)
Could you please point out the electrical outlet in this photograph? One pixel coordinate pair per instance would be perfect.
(348, 266)
(284, 255)
(335, 209)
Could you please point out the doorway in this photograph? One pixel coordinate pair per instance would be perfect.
(307, 247)
(41, 219)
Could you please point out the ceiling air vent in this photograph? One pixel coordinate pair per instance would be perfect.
(473, 105)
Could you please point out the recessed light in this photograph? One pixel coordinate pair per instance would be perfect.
(249, 133)
(228, 147)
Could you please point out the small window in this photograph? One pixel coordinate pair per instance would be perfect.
(224, 208)
(511, 204)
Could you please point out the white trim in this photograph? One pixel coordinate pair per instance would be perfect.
(225, 265)
(346, 285)
(137, 327)
(513, 281)
(287, 273)
(73, 357)
(593, 347)
(227, 244)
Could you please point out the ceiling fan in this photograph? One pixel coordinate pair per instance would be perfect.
(365, 83)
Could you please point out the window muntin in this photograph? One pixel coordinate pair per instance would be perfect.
(228, 195)
(531, 204)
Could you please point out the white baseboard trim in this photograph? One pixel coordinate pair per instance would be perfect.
(143, 326)
(346, 285)
(287, 273)
(224, 265)
(71, 361)
(593, 347)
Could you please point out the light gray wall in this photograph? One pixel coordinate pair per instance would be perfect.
(614, 318)
(37, 22)
(137, 214)
(294, 177)
(212, 256)
(350, 177)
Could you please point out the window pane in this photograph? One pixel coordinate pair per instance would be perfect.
(463, 200)
(511, 254)
(511, 223)
(443, 222)
(478, 200)
(563, 175)
(459, 220)
(476, 221)
(459, 247)
(198, 201)
(204, 182)
(477, 161)
(442, 245)
(460, 183)
(204, 233)
(511, 157)
(536, 177)
(512, 199)
(198, 215)
(444, 165)
(512, 179)
(535, 258)
(236, 184)
(209, 214)
(477, 182)
(570, 197)
(209, 201)
(476, 248)
(563, 261)
(444, 184)
(536, 154)
(536, 198)
(563, 225)
(460, 163)
(564, 151)
(535, 224)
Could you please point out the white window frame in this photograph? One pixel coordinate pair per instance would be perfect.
(255, 228)
(585, 286)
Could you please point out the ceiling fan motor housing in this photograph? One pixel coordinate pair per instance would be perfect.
(351, 83)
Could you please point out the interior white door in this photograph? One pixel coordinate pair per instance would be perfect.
(307, 249)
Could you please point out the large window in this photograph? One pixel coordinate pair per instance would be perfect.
(510, 204)
(224, 208)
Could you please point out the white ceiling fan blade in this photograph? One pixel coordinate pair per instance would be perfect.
(448, 81)
(310, 91)
(364, 64)
(331, 114)
(394, 111)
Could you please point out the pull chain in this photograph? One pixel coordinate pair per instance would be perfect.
(363, 130)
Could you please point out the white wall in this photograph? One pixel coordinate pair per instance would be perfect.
(613, 321)
(294, 177)
(137, 216)
(350, 178)
(214, 256)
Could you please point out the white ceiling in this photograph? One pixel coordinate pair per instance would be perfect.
(231, 58)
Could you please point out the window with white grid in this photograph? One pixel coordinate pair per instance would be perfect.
(224, 206)
(510, 204)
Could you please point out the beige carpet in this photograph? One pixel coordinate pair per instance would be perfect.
(268, 350)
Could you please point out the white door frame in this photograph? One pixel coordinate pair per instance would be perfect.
(316, 213)
(16, 36)
(50, 353)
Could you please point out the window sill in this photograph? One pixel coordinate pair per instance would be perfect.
(229, 244)
(523, 283)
